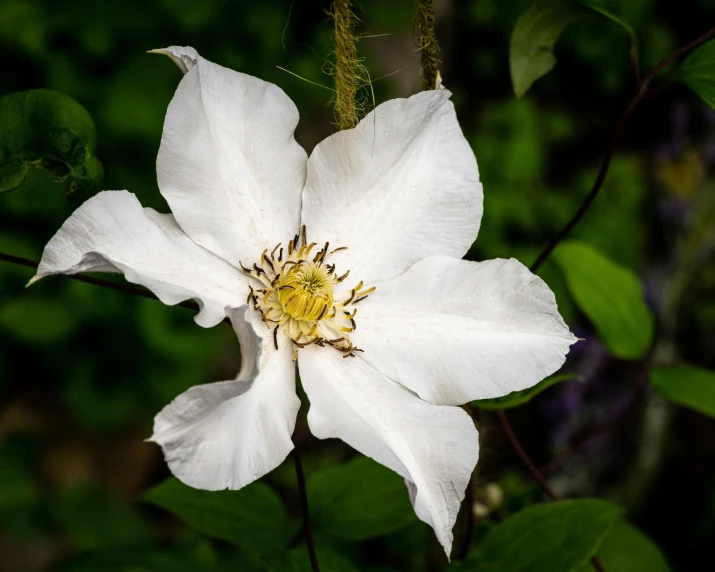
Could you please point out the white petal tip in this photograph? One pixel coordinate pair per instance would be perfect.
(184, 57)
(149, 439)
(35, 278)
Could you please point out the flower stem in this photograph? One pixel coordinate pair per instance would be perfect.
(307, 530)
(429, 48)
(535, 472)
(518, 447)
(346, 65)
(469, 518)
(641, 92)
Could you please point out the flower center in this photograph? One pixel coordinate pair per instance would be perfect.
(301, 296)
(305, 291)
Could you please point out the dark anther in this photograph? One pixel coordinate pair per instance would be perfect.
(352, 295)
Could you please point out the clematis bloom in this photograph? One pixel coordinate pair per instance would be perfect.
(347, 261)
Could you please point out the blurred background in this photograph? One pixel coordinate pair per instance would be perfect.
(83, 370)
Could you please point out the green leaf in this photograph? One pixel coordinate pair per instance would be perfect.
(252, 517)
(52, 131)
(553, 537)
(596, 6)
(611, 297)
(360, 499)
(328, 559)
(97, 519)
(627, 548)
(686, 385)
(38, 321)
(698, 72)
(531, 51)
(516, 398)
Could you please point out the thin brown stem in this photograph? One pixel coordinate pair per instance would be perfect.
(535, 472)
(641, 92)
(516, 444)
(307, 530)
(126, 288)
(469, 519)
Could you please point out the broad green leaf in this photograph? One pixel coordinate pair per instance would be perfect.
(698, 72)
(97, 519)
(329, 560)
(122, 561)
(50, 130)
(360, 499)
(596, 6)
(552, 537)
(686, 385)
(516, 398)
(611, 297)
(531, 51)
(252, 517)
(186, 554)
(626, 548)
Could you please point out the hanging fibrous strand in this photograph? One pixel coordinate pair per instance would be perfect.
(429, 63)
(347, 66)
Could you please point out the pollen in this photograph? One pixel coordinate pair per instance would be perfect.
(306, 291)
(301, 297)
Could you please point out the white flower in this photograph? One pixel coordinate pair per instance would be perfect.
(391, 330)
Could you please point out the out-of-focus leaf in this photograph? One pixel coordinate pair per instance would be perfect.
(531, 51)
(516, 398)
(186, 554)
(626, 548)
(252, 517)
(610, 295)
(553, 537)
(18, 489)
(596, 6)
(37, 321)
(96, 519)
(686, 385)
(698, 72)
(360, 499)
(122, 561)
(328, 559)
(52, 131)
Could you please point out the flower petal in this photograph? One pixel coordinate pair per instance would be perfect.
(230, 433)
(402, 185)
(228, 164)
(434, 448)
(454, 331)
(111, 232)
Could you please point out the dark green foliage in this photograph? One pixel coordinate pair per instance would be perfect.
(553, 537)
(252, 517)
(698, 72)
(517, 398)
(358, 500)
(627, 548)
(610, 295)
(686, 385)
(50, 130)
